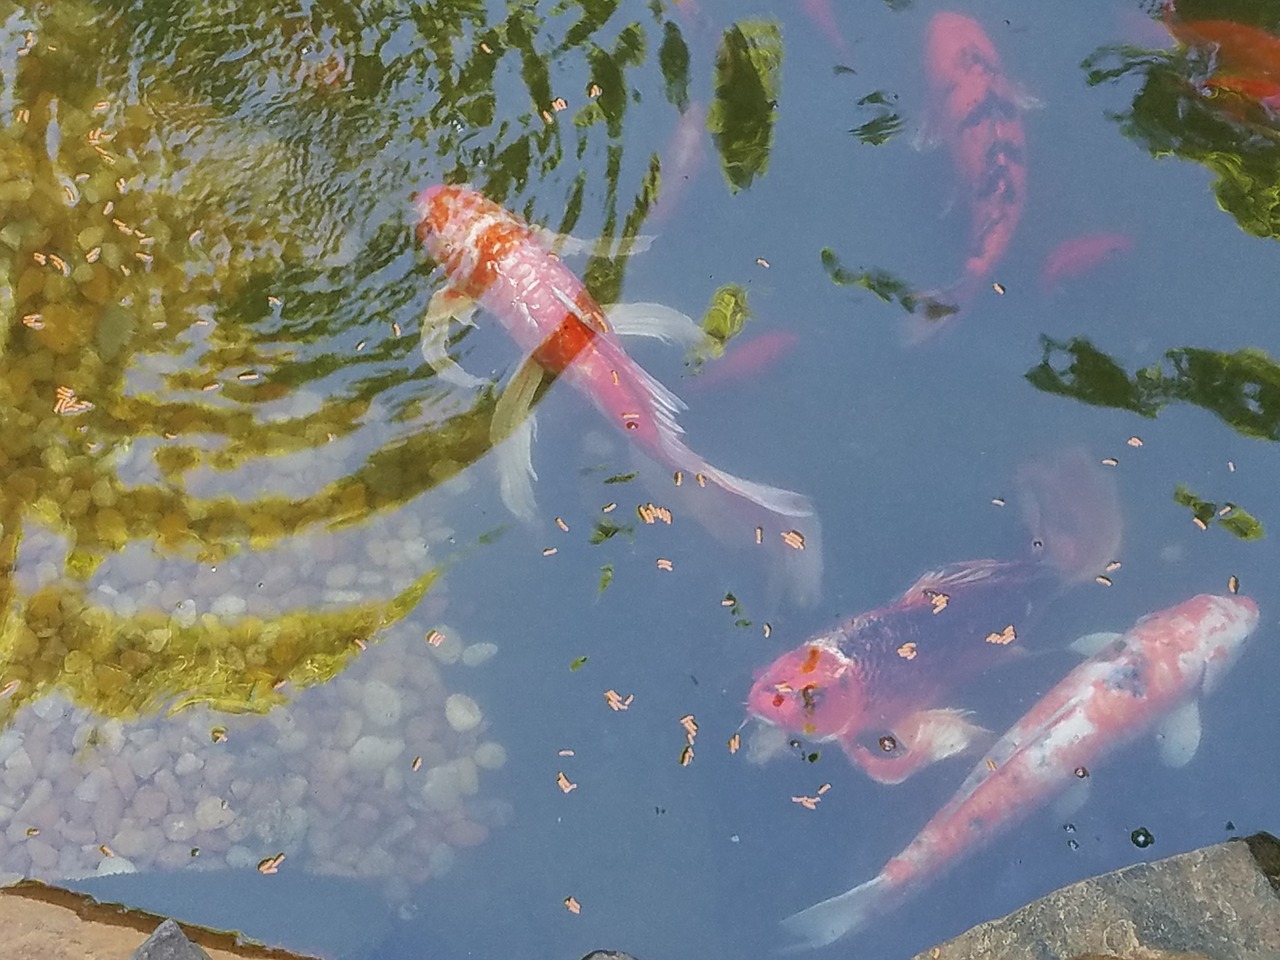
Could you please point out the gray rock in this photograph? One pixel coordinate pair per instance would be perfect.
(608, 955)
(1216, 903)
(168, 942)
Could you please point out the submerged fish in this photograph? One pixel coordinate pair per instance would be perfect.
(878, 684)
(493, 259)
(1245, 59)
(976, 112)
(1151, 678)
(1078, 255)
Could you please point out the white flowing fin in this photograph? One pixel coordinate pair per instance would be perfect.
(657, 321)
(512, 431)
(569, 246)
(828, 921)
(1178, 737)
(446, 306)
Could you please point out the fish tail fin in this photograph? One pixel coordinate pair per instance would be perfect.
(1071, 507)
(828, 921)
(783, 522)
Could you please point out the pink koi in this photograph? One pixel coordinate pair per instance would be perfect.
(1079, 255)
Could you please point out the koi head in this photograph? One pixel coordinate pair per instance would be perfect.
(443, 209)
(813, 690)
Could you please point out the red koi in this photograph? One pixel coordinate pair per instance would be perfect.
(1079, 255)
(1150, 678)
(878, 683)
(494, 259)
(976, 108)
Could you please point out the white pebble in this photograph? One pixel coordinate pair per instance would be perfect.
(184, 614)
(479, 653)
(462, 712)
(240, 856)
(213, 814)
(110, 865)
(449, 649)
(228, 605)
(343, 575)
(374, 754)
(381, 704)
(490, 755)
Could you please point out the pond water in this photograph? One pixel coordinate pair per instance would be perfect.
(262, 595)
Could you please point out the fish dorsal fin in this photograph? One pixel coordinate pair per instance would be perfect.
(1179, 735)
(948, 578)
(1092, 644)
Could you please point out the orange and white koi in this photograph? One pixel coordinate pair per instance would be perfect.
(976, 111)
(1149, 679)
(494, 259)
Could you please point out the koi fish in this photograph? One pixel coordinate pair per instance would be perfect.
(1245, 59)
(878, 683)
(493, 259)
(745, 360)
(976, 112)
(1149, 679)
(1080, 255)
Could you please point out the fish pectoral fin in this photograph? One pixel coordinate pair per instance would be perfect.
(657, 321)
(943, 733)
(1092, 644)
(917, 741)
(511, 431)
(447, 305)
(562, 244)
(1178, 737)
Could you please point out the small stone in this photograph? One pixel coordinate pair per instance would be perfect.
(490, 755)
(382, 704)
(370, 755)
(343, 575)
(449, 649)
(465, 833)
(239, 857)
(479, 653)
(462, 712)
(187, 763)
(228, 605)
(130, 842)
(117, 864)
(213, 814)
(179, 828)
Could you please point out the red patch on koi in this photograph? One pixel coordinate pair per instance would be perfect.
(811, 660)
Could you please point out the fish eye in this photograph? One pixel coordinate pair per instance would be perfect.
(810, 694)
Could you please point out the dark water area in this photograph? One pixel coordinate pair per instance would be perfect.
(273, 501)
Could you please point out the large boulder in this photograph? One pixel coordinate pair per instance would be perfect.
(1216, 903)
